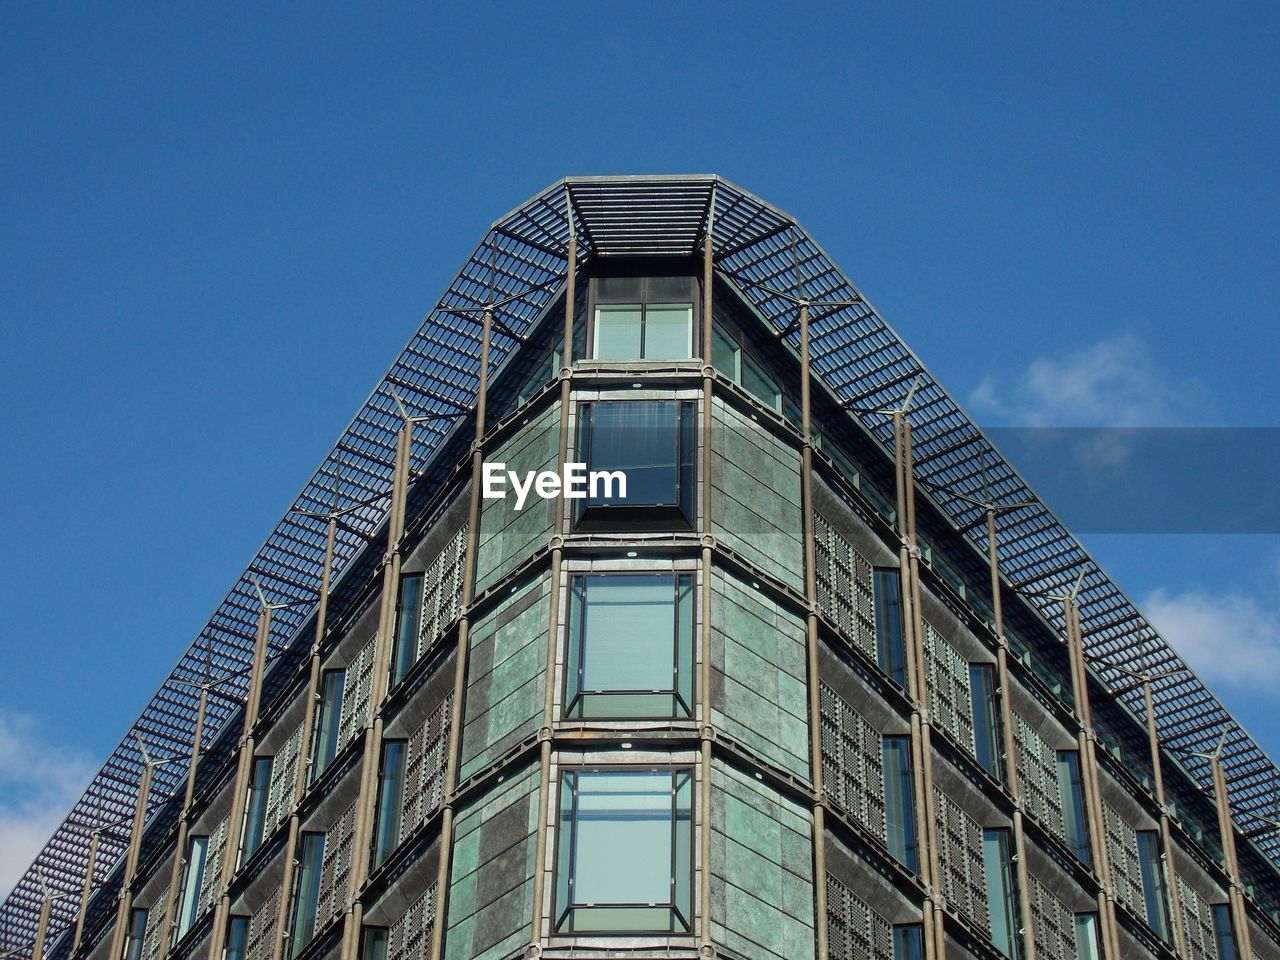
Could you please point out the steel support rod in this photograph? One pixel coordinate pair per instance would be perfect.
(1226, 830)
(1166, 834)
(91, 862)
(464, 640)
(124, 902)
(1010, 752)
(371, 755)
(231, 855)
(42, 925)
(540, 864)
(811, 641)
(1091, 780)
(705, 727)
(921, 721)
(302, 774)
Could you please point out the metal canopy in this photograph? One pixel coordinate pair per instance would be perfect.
(520, 265)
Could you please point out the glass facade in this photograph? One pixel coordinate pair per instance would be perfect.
(137, 933)
(1224, 933)
(630, 646)
(390, 799)
(891, 651)
(373, 943)
(1088, 944)
(255, 809)
(408, 623)
(987, 737)
(1154, 890)
(237, 937)
(635, 331)
(324, 743)
(1071, 796)
(1002, 897)
(306, 898)
(640, 818)
(908, 942)
(652, 443)
(193, 877)
(899, 801)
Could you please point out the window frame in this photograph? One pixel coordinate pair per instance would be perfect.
(988, 731)
(648, 275)
(575, 698)
(255, 807)
(681, 514)
(382, 844)
(1155, 884)
(399, 665)
(909, 855)
(1001, 839)
(1086, 924)
(328, 721)
(192, 880)
(237, 939)
(886, 605)
(310, 845)
(370, 934)
(1075, 824)
(1224, 932)
(566, 910)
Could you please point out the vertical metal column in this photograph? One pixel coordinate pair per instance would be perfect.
(464, 639)
(371, 754)
(553, 629)
(1010, 754)
(184, 824)
(304, 751)
(921, 722)
(95, 838)
(124, 902)
(230, 858)
(304, 763)
(1166, 835)
(1239, 916)
(1087, 745)
(706, 732)
(811, 639)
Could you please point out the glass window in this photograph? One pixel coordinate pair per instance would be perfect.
(634, 331)
(1088, 946)
(255, 810)
(404, 648)
(908, 942)
(307, 892)
(390, 798)
(642, 819)
(630, 646)
(986, 720)
(197, 853)
(651, 443)
(899, 800)
(759, 384)
(137, 933)
(891, 651)
(1224, 933)
(726, 355)
(1071, 795)
(1153, 885)
(1001, 893)
(325, 739)
(373, 943)
(237, 937)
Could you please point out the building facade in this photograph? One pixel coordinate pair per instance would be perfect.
(828, 682)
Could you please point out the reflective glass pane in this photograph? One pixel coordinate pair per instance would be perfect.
(330, 711)
(899, 796)
(408, 619)
(986, 725)
(640, 438)
(1071, 795)
(1000, 891)
(390, 797)
(256, 808)
(908, 942)
(308, 869)
(1153, 886)
(374, 944)
(1224, 933)
(237, 937)
(196, 855)
(623, 818)
(725, 353)
(668, 331)
(618, 332)
(137, 932)
(1088, 946)
(629, 624)
(890, 650)
(759, 384)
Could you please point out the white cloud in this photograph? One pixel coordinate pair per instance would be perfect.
(1229, 639)
(39, 782)
(1114, 383)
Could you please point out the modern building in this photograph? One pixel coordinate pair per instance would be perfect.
(830, 681)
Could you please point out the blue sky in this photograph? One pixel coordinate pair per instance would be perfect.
(218, 226)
